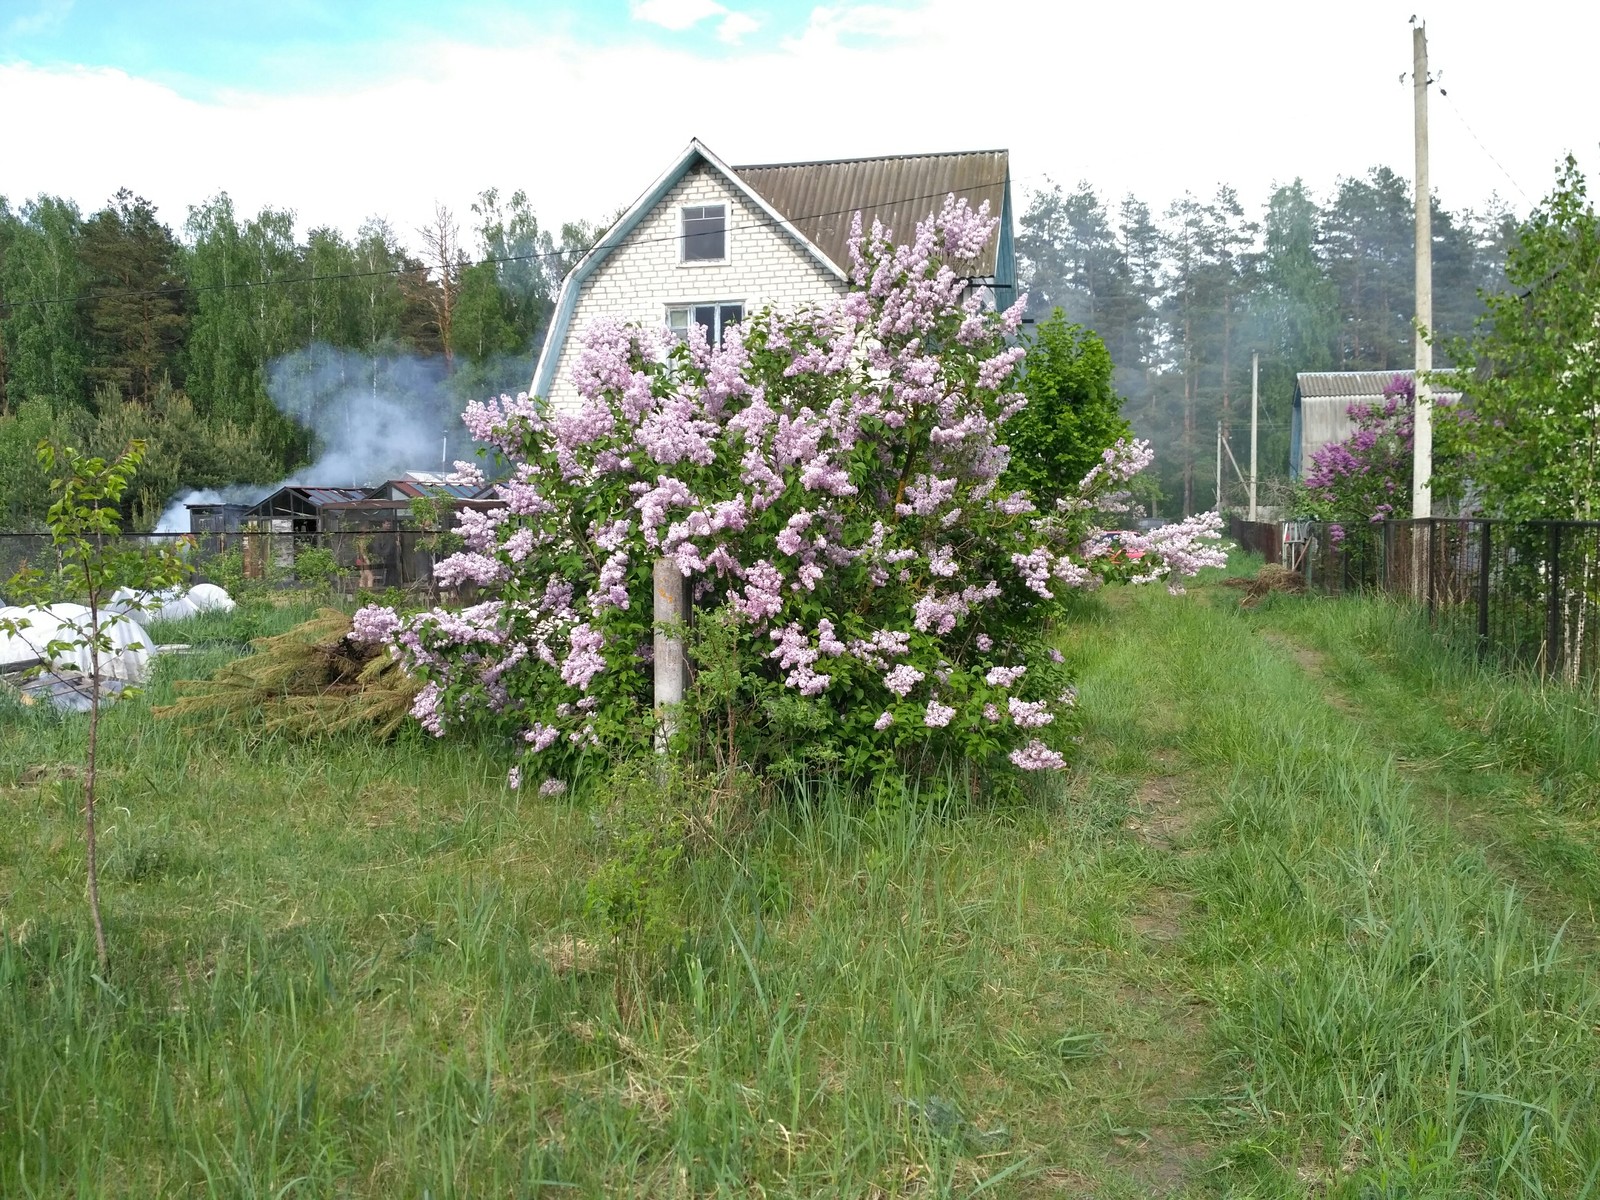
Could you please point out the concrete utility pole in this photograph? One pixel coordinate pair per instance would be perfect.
(671, 611)
(1219, 466)
(1255, 403)
(1422, 461)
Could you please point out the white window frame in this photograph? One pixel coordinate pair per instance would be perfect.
(727, 235)
(688, 306)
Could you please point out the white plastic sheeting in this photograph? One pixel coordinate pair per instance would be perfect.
(174, 604)
(128, 659)
(208, 597)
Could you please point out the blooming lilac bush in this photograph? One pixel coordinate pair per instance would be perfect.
(827, 483)
(1366, 479)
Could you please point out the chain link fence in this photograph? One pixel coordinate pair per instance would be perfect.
(343, 562)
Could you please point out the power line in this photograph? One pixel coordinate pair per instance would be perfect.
(1473, 135)
(192, 289)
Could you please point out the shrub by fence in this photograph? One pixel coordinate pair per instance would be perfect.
(1525, 593)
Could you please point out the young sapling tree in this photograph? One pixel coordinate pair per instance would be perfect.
(91, 563)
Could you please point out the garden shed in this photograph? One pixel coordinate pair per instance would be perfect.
(288, 520)
(1322, 403)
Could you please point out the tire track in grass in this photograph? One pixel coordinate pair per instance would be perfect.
(1161, 1148)
(1497, 828)
(1384, 1016)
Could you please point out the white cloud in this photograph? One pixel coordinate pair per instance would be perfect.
(1157, 100)
(735, 27)
(676, 14)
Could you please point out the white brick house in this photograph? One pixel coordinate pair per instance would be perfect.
(708, 244)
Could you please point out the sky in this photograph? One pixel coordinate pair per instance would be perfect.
(346, 109)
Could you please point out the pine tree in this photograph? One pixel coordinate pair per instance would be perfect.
(1368, 233)
(135, 306)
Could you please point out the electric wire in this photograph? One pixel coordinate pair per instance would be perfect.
(1487, 153)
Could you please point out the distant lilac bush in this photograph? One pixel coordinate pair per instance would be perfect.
(1366, 479)
(827, 483)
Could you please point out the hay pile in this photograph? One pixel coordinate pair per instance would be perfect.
(1274, 577)
(307, 682)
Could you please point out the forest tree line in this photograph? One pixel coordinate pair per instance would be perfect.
(115, 325)
(1182, 298)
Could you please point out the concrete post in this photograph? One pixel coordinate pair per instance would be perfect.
(1255, 401)
(1219, 467)
(1422, 456)
(671, 609)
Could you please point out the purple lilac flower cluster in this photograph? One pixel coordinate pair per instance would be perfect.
(825, 479)
(1366, 478)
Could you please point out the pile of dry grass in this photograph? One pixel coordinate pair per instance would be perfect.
(307, 682)
(1274, 577)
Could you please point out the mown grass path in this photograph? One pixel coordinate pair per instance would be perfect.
(1390, 1015)
(1239, 953)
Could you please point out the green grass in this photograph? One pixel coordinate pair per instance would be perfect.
(1238, 953)
(1513, 758)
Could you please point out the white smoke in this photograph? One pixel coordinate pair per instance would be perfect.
(372, 417)
(175, 517)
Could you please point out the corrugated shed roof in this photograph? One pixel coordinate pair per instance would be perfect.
(332, 495)
(314, 497)
(411, 487)
(1347, 383)
(1354, 384)
(821, 198)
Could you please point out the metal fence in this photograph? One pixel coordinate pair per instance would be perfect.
(1525, 593)
(345, 561)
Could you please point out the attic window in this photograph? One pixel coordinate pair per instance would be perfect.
(705, 233)
(714, 319)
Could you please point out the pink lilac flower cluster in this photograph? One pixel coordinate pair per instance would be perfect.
(828, 481)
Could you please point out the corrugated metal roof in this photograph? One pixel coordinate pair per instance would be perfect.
(411, 487)
(821, 198)
(332, 495)
(313, 497)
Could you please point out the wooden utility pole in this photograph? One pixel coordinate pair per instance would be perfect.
(1255, 405)
(1422, 460)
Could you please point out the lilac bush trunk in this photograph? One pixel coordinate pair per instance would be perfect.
(824, 480)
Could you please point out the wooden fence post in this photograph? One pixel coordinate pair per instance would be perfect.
(671, 662)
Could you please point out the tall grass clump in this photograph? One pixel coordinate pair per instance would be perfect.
(369, 969)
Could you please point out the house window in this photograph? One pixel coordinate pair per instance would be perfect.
(715, 319)
(705, 233)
